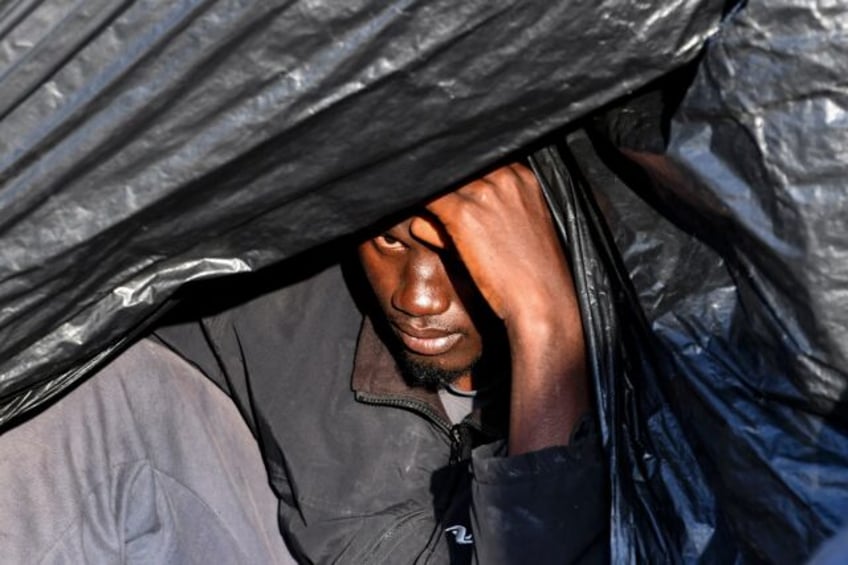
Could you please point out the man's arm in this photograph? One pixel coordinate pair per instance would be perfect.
(546, 501)
(502, 230)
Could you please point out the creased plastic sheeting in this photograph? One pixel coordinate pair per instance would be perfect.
(147, 143)
(663, 508)
(729, 413)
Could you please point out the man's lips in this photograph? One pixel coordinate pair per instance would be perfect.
(427, 341)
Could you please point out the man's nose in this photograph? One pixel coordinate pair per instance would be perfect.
(424, 289)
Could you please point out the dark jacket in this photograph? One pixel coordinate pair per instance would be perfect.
(377, 475)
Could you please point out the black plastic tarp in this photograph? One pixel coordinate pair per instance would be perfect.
(144, 145)
(755, 316)
(730, 416)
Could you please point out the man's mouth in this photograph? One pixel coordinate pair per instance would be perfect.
(427, 341)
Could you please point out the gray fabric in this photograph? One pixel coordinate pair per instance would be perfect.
(146, 462)
(457, 406)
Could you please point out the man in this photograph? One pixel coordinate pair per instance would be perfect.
(493, 236)
(471, 335)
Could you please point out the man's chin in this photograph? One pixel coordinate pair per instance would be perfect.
(421, 373)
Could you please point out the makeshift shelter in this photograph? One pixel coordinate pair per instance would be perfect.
(695, 164)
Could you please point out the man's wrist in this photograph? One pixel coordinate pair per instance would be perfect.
(549, 384)
(554, 342)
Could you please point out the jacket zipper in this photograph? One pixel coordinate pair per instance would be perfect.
(453, 432)
(414, 405)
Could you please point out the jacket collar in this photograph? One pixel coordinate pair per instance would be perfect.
(376, 374)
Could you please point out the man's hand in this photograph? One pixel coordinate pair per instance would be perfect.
(502, 230)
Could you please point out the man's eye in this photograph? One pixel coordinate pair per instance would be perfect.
(386, 241)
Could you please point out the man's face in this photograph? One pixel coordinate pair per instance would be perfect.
(428, 300)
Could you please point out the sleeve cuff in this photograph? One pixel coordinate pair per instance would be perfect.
(491, 464)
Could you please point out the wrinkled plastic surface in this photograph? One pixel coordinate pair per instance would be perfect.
(147, 144)
(726, 400)
(763, 139)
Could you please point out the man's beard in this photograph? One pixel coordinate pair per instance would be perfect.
(417, 373)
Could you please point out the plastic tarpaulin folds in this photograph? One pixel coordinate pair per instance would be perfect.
(733, 244)
(267, 125)
(145, 145)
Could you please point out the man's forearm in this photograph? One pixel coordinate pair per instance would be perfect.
(549, 385)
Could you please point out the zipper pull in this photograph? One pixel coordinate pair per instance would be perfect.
(461, 443)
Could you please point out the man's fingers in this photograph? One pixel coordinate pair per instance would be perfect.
(504, 185)
(429, 231)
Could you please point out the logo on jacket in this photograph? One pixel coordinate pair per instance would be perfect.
(460, 534)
